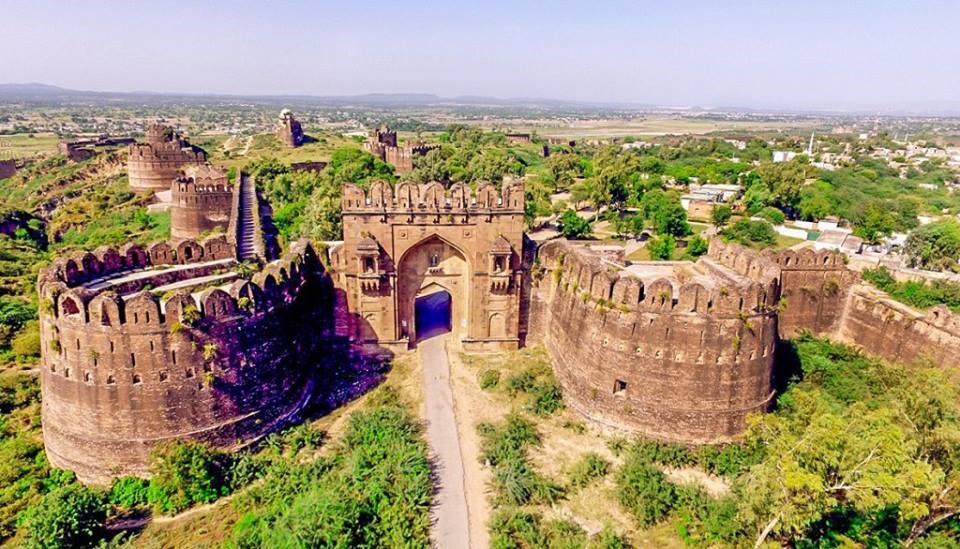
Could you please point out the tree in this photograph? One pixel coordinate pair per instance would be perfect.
(773, 215)
(662, 247)
(750, 233)
(785, 180)
(671, 219)
(573, 226)
(721, 214)
(877, 223)
(70, 516)
(934, 246)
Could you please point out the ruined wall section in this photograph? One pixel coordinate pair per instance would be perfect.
(815, 287)
(673, 361)
(123, 370)
(897, 332)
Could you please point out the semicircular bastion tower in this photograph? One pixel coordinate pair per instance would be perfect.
(154, 164)
(144, 345)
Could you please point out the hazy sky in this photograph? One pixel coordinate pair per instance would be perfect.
(821, 54)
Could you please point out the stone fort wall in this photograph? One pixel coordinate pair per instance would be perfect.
(153, 165)
(201, 205)
(124, 369)
(674, 361)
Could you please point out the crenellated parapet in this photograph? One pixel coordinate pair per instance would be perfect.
(135, 352)
(434, 197)
(676, 350)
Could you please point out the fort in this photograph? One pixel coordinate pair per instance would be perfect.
(161, 159)
(289, 130)
(383, 144)
(146, 344)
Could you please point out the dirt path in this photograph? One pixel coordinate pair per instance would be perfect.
(450, 518)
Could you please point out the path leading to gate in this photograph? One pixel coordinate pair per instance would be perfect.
(450, 521)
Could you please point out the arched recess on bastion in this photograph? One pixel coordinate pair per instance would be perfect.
(432, 263)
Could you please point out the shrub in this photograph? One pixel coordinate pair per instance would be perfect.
(644, 492)
(129, 492)
(26, 344)
(489, 379)
(588, 469)
(665, 453)
(186, 473)
(750, 232)
(773, 215)
(70, 516)
(662, 247)
(547, 399)
(522, 382)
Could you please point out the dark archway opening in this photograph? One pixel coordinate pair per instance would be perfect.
(432, 314)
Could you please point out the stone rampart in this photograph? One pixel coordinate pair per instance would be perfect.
(684, 361)
(124, 369)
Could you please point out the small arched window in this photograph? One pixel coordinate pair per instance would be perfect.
(368, 265)
(434, 260)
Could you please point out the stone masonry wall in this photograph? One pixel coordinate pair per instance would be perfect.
(123, 373)
(679, 363)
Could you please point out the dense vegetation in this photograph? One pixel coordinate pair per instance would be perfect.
(858, 451)
(919, 294)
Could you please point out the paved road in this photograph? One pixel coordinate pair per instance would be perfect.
(450, 523)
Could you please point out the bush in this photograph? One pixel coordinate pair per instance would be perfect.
(573, 226)
(644, 492)
(71, 516)
(773, 215)
(186, 473)
(129, 492)
(750, 232)
(721, 214)
(547, 399)
(662, 247)
(588, 469)
(489, 379)
(26, 344)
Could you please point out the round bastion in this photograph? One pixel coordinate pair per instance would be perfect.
(680, 351)
(147, 344)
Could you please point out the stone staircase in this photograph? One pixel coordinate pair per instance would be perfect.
(247, 225)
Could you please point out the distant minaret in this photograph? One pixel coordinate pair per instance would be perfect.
(810, 146)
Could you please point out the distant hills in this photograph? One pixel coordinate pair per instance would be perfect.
(46, 94)
(36, 93)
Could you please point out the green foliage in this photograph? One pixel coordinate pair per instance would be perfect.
(644, 491)
(859, 449)
(71, 516)
(129, 492)
(922, 295)
(539, 383)
(26, 344)
(721, 214)
(696, 247)
(773, 215)
(934, 246)
(750, 233)
(373, 490)
(573, 226)
(662, 247)
(186, 473)
(504, 448)
(489, 379)
(590, 467)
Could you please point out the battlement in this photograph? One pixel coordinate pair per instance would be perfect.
(433, 197)
(704, 287)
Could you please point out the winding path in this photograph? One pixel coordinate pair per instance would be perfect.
(450, 518)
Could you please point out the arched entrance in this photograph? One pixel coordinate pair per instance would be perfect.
(433, 266)
(433, 314)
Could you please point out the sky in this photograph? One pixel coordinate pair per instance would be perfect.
(843, 54)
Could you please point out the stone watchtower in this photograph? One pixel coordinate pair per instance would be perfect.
(421, 259)
(153, 165)
(201, 202)
(289, 130)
